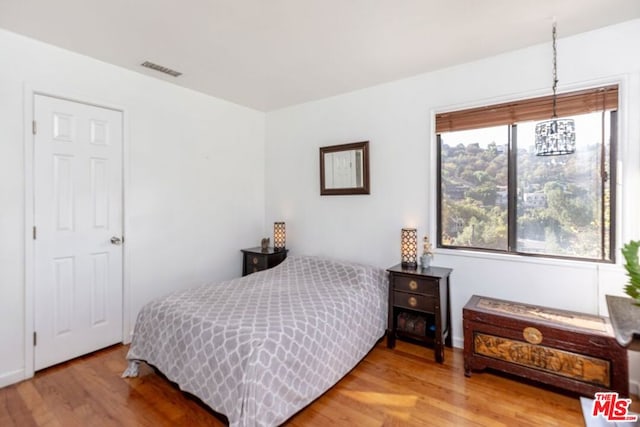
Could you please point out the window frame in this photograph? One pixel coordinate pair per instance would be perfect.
(512, 230)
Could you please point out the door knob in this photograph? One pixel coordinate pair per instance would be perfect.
(116, 240)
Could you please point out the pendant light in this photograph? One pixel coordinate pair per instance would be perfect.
(556, 136)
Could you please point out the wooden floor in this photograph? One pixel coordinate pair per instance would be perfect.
(401, 387)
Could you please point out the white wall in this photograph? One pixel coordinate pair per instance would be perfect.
(194, 194)
(397, 120)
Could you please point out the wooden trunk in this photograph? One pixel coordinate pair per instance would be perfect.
(573, 351)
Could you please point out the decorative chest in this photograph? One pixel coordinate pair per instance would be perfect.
(569, 350)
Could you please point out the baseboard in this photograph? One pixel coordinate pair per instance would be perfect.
(127, 338)
(12, 377)
(457, 342)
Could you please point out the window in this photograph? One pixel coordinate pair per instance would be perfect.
(495, 194)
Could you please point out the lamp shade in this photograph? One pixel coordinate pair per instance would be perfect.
(409, 247)
(555, 137)
(279, 235)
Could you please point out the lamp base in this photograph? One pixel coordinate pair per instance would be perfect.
(413, 265)
(276, 249)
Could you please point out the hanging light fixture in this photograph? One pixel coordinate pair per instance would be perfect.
(556, 136)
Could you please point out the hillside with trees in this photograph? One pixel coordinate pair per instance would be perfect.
(558, 199)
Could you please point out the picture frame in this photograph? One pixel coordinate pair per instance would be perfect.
(344, 169)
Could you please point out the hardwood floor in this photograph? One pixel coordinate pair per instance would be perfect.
(396, 387)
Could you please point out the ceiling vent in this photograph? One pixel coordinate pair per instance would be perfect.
(160, 68)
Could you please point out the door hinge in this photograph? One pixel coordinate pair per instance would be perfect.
(34, 127)
(34, 232)
(35, 338)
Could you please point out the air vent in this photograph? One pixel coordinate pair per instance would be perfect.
(160, 68)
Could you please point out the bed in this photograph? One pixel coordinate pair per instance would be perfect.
(260, 348)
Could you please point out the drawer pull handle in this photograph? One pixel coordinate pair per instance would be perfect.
(413, 301)
(413, 285)
(255, 259)
(532, 335)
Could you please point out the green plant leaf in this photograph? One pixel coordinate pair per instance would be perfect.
(630, 253)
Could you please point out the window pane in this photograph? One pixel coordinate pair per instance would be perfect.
(560, 198)
(474, 188)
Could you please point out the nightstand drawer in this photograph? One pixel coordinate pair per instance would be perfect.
(411, 284)
(414, 301)
(253, 269)
(258, 259)
(255, 263)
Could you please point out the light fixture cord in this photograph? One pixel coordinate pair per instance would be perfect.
(555, 70)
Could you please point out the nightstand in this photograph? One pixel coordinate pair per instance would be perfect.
(255, 259)
(420, 307)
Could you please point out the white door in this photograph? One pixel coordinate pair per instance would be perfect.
(78, 220)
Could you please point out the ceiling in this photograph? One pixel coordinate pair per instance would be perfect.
(268, 54)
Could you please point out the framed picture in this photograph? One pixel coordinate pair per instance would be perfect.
(344, 169)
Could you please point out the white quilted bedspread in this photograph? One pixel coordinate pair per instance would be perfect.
(261, 347)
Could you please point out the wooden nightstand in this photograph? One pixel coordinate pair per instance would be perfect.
(420, 307)
(255, 259)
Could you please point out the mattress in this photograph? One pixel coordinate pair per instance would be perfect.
(259, 348)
